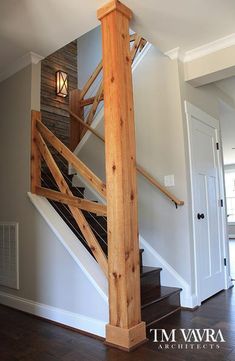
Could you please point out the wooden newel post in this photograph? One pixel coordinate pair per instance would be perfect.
(35, 155)
(125, 329)
(75, 127)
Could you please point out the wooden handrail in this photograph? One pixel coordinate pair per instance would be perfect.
(77, 102)
(137, 43)
(95, 104)
(92, 130)
(133, 37)
(135, 47)
(91, 80)
(80, 203)
(77, 213)
(84, 171)
(93, 108)
(159, 186)
(35, 155)
(89, 101)
(143, 172)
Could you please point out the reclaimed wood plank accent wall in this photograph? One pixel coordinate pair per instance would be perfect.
(54, 109)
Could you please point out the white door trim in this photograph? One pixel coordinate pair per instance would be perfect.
(192, 110)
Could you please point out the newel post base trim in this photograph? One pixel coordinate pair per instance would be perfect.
(126, 339)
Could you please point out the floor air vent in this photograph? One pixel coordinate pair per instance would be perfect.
(9, 255)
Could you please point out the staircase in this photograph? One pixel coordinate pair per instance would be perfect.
(157, 301)
(86, 218)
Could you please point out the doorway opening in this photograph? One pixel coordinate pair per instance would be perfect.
(227, 123)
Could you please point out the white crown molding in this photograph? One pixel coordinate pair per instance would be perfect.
(19, 64)
(210, 48)
(173, 53)
(202, 50)
(35, 58)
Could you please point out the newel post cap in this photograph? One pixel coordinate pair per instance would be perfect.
(114, 5)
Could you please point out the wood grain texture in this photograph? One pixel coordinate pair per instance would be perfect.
(77, 202)
(123, 244)
(89, 101)
(114, 5)
(94, 107)
(54, 108)
(153, 181)
(35, 155)
(88, 127)
(139, 169)
(135, 47)
(82, 169)
(77, 214)
(63, 344)
(76, 128)
(91, 79)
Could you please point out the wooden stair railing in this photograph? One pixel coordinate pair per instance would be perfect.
(77, 133)
(85, 125)
(139, 169)
(40, 135)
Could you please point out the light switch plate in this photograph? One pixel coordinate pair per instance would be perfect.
(169, 180)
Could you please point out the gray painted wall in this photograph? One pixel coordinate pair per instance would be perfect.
(89, 54)
(48, 274)
(161, 135)
(160, 150)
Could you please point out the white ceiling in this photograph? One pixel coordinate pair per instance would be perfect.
(46, 25)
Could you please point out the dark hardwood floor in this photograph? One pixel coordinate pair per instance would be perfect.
(26, 338)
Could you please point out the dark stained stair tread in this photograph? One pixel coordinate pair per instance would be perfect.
(146, 270)
(160, 303)
(157, 301)
(157, 294)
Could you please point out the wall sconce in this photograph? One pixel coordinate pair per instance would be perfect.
(61, 84)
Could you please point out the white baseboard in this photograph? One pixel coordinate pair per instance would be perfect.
(169, 276)
(64, 317)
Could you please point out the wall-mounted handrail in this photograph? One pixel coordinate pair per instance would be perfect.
(154, 182)
(140, 169)
(88, 127)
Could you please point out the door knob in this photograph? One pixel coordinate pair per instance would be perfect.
(200, 216)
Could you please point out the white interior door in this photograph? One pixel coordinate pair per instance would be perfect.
(209, 257)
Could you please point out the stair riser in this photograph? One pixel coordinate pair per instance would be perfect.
(150, 281)
(161, 308)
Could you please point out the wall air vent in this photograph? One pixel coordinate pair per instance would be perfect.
(9, 255)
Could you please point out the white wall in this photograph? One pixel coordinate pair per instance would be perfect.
(160, 150)
(161, 134)
(227, 117)
(89, 54)
(89, 47)
(48, 274)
